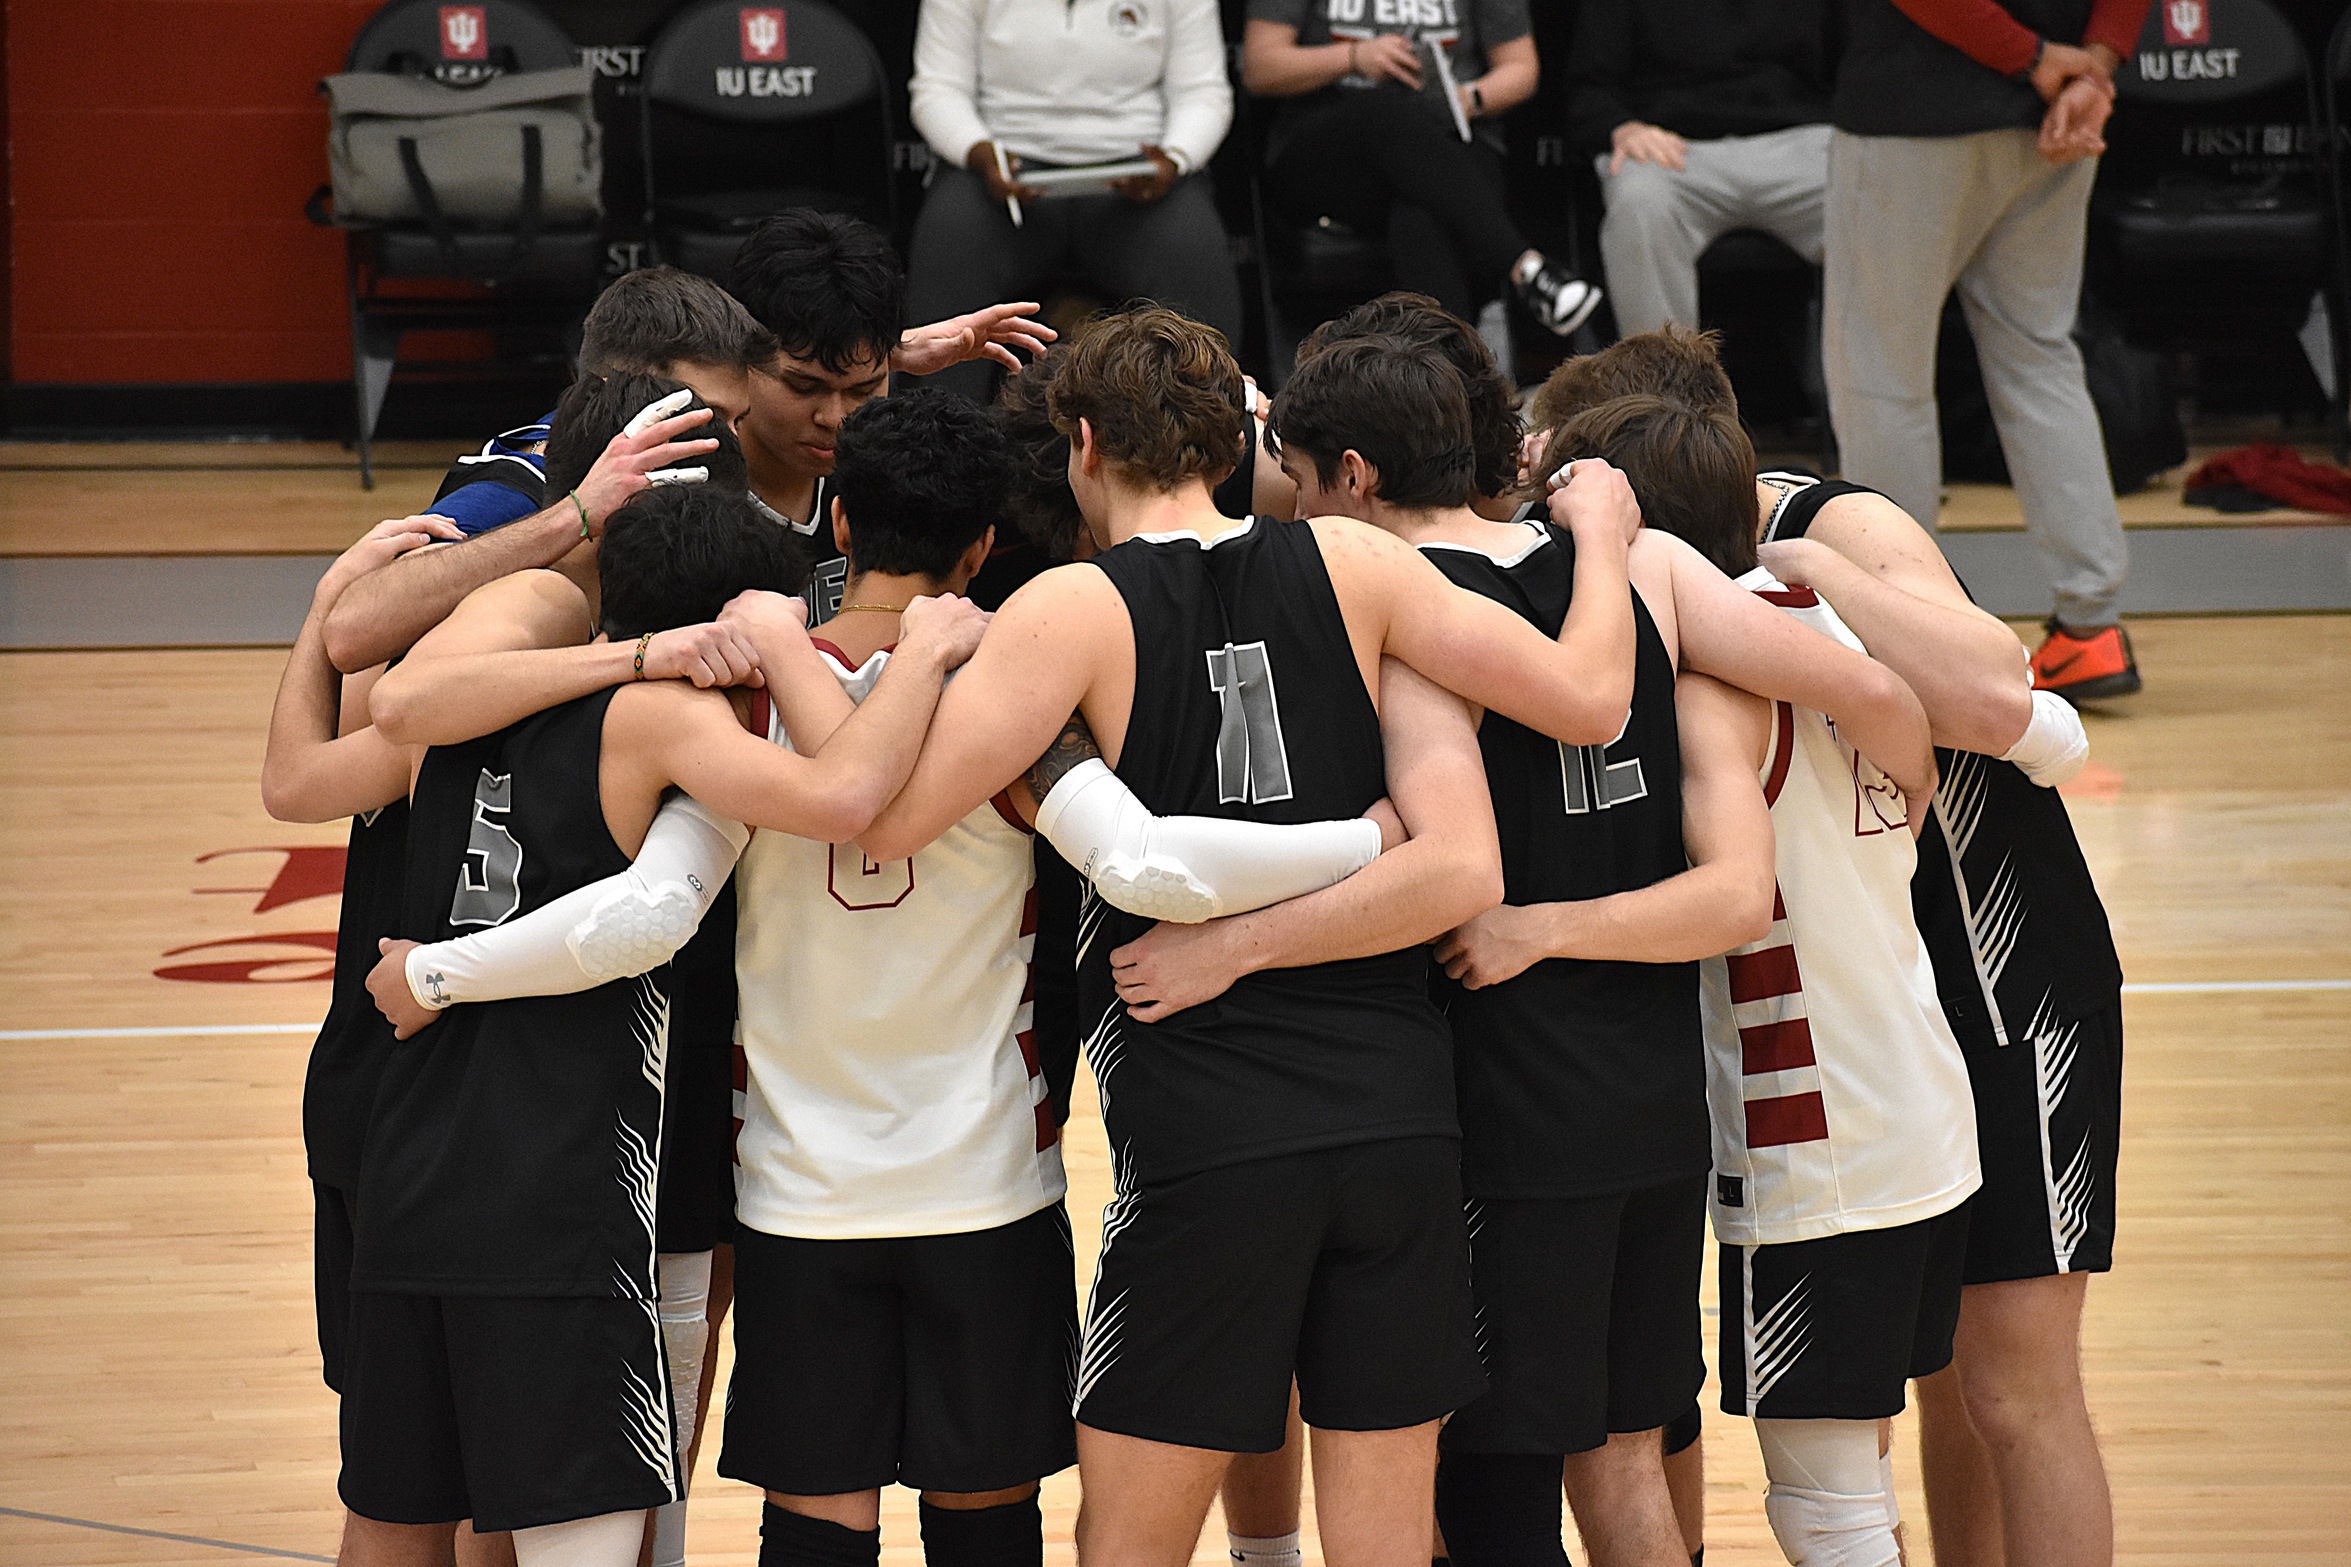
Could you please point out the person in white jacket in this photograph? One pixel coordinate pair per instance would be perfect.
(1003, 87)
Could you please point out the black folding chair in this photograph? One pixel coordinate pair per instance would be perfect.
(2208, 261)
(752, 109)
(2334, 85)
(539, 278)
(1756, 277)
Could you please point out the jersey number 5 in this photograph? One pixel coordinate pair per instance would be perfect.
(489, 880)
(1252, 765)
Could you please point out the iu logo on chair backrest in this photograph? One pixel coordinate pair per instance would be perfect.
(465, 32)
(2187, 22)
(763, 34)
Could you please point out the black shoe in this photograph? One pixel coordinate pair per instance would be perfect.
(1558, 298)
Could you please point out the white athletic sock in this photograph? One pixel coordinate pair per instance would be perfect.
(607, 1540)
(1276, 1550)
(685, 1335)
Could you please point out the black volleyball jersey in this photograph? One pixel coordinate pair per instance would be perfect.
(1579, 1078)
(340, 1083)
(2010, 914)
(1249, 704)
(515, 1147)
(828, 569)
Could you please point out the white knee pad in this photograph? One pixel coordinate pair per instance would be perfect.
(606, 1540)
(1831, 1499)
(685, 1331)
(685, 1336)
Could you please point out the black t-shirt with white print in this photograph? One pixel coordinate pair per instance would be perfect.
(1466, 29)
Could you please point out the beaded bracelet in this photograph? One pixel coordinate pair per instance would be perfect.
(643, 642)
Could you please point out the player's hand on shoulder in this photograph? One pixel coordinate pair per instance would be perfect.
(1794, 561)
(1170, 968)
(1597, 504)
(1500, 944)
(388, 983)
(945, 626)
(715, 653)
(757, 612)
(381, 545)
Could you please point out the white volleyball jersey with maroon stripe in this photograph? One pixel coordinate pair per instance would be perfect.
(889, 1076)
(1840, 1100)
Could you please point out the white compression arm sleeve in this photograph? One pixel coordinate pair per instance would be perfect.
(624, 924)
(1192, 868)
(2054, 746)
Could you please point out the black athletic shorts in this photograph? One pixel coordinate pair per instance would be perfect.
(694, 1205)
(936, 1362)
(1835, 1328)
(511, 1412)
(330, 1267)
(2048, 1111)
(1346, 1267)
(1587, 1317)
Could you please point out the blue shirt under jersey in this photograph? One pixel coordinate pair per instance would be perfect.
(505, 482)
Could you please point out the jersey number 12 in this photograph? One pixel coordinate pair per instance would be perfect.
(1591, 782)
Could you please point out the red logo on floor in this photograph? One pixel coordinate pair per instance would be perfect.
(307, 871)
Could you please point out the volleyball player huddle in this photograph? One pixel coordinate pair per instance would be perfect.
(1460, 894)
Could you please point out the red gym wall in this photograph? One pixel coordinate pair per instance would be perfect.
(160, 152)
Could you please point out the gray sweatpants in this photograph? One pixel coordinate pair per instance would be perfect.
(1660, 221)
(1909, 219)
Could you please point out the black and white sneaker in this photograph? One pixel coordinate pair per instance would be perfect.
(1559, 299)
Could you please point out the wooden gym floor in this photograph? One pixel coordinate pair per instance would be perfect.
(162, 963)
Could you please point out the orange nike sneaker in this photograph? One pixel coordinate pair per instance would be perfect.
(2086, 667)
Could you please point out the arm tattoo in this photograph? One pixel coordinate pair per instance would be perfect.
(1075, 744)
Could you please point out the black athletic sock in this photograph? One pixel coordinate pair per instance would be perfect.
(790, 1539)
(1501, 1509)
(1698, 1557)
(1011, 1534)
